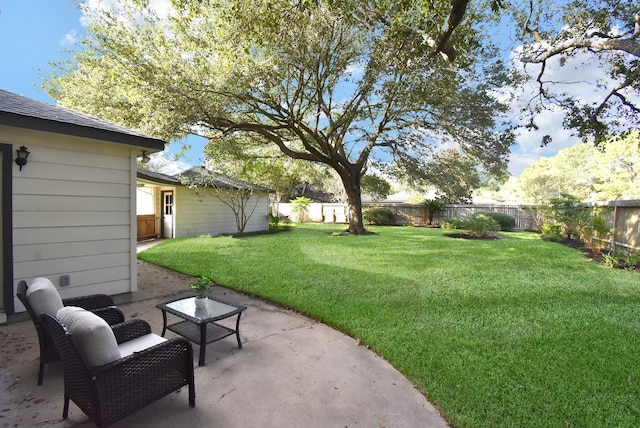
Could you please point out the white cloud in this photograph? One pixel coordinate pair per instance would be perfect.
(69, 39)
(577, 77)
(163, 162)
(94, 8)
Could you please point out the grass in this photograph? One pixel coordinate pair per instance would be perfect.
(513, 332)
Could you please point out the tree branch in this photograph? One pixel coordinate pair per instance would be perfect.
(630, 46)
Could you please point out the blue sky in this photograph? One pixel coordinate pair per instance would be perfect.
(34, 33)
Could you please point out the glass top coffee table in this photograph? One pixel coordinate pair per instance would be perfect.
(199, 324)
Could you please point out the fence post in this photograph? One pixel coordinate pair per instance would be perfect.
(615, 227)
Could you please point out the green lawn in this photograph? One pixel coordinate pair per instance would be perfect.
(513, 332)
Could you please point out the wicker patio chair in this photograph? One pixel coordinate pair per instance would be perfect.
(101, 304)
(112, 391)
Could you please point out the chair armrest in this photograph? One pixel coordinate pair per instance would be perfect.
(149, 365)
(132, 382)
(165, 351)
(94, 301)
(130, 330)
(111, 315)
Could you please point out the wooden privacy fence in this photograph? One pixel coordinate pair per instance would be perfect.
(416, 215)
(623, 219)
(624, 222)
(146, 226)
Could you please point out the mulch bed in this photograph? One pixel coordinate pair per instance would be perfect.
(596, 257)
(465, 236)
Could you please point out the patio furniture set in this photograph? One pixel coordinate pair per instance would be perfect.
(114, 367)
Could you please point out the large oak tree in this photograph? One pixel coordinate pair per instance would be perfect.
(342, 83)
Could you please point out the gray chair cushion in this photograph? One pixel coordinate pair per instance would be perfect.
(91, 335)
(43, 297)
(140, 343)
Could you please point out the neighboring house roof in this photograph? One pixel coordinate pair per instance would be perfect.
(219, 180)
(22, 112)
(157, 177)
(222, 181)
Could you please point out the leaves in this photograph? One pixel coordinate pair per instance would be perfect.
(595, 31)
(343, 83)
(590, 173)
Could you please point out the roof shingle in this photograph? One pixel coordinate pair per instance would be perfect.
(22, 112)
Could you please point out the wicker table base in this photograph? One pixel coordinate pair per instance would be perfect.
(198, 325)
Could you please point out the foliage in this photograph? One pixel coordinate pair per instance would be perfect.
(520, 332)
(505, 221)
(551, 232)
(592, 224)
(342, 83)
(378, 188)
(616, 169)
(453, 174)
(243, 157)
(480, 226)
(432, 206)
(378, 216)
(628, 261)
(452, 223)
(587, 172)
(600, 32)
(242, 198)
(569, 171)
(563, 211)
(273, 221)
(202, 285)
(300, 206)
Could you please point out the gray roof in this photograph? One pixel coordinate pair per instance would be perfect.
(219, 180)
(157, 177)
(22, 112)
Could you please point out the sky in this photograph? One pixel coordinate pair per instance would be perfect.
(34, 33)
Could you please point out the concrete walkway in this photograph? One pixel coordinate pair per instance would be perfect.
(291, 372)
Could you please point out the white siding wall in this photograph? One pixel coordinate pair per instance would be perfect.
(145, 200)
(72, 213)
(211, 217)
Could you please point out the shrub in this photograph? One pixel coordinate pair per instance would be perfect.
(378, 216)
(481, 226)
(621, 260)
(300, 207)
(610, 259)
(273, 221)
(432, 206)
(563, 211)
(551, 232)
(631, 261)
(284, 219)
(505, 221)
(451, 223)
(591, 225)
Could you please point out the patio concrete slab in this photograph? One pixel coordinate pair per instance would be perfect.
(292, 371)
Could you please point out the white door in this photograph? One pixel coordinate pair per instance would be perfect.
(167, 214)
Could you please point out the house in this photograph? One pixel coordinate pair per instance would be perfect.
(169, 209)
(69, 212)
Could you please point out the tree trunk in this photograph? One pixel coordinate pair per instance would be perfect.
(354, 209)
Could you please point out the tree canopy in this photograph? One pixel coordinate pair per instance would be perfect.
(587, 172)
(342, 83)
(568, 33)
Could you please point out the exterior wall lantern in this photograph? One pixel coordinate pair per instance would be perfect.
(145, 157)
(23, 154)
